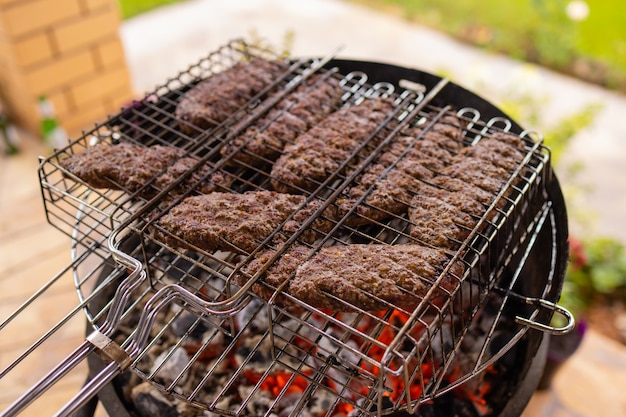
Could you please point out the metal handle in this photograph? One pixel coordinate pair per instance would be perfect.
(539, 302)
(96, 342)
(51, 378)
(90, 389)
(120, 358)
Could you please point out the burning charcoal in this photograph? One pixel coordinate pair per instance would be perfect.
(463, 407)
(290, 402)
(443, 341)
(285, 330)
(149, 402)
(318, 405)
(253, 318)
(224, 404)
(386, 403)
(427, 410)
(168, 365)
(261, 357)
(341, 358)
(207, 351)
(260, 403)
(189, 323)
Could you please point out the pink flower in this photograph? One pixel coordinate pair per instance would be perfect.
(577, 255)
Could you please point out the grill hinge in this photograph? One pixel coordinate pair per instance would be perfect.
(108, 350)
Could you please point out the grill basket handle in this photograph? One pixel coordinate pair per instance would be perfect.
(547, 328)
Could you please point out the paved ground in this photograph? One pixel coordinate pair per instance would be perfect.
(162, 43)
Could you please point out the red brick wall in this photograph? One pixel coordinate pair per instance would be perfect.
(67, 50)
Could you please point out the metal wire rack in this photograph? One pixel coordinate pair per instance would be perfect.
(151, 303)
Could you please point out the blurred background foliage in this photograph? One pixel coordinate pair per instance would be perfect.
(582, 38)
(586, 39)
(132, 8)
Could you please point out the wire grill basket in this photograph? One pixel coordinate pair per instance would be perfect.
(176, 315)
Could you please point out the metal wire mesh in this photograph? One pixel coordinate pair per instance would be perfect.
(224, 342)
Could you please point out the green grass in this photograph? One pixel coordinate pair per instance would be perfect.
(532, 30)
(603, 34)
(131, 8)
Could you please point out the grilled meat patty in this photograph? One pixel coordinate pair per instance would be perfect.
(400, 171)
(348, 277)
(478, 173)
(278, 273)
(438, 219)
(265, 138)
(489, 163)
(131, 168)
(211, 101)
(238, 222)
(202, 179)
(503, 150)
(320, 152)
(458, 186)
(123, 166)
(444, 217)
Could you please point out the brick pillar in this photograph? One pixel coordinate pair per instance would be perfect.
(67, 50)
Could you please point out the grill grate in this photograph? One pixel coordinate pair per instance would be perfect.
(360, 360)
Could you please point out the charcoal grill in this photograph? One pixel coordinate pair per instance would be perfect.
(136, 290)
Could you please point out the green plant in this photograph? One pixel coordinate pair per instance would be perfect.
(284, 50)
(590, 46)
(132, 8)
(596, 274)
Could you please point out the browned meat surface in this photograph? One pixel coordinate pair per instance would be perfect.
(123, 166)
(373, 277)
(478, 173)
(131, 167)
(319, 152)
(463, 187)
(444, 217)
(265, 138)
(238, 222)
(390, 196)
(450, 126)
(501, 150)
(277, 273)
(409, 161)
(367, 277)
(202, 180)
(211, 101)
